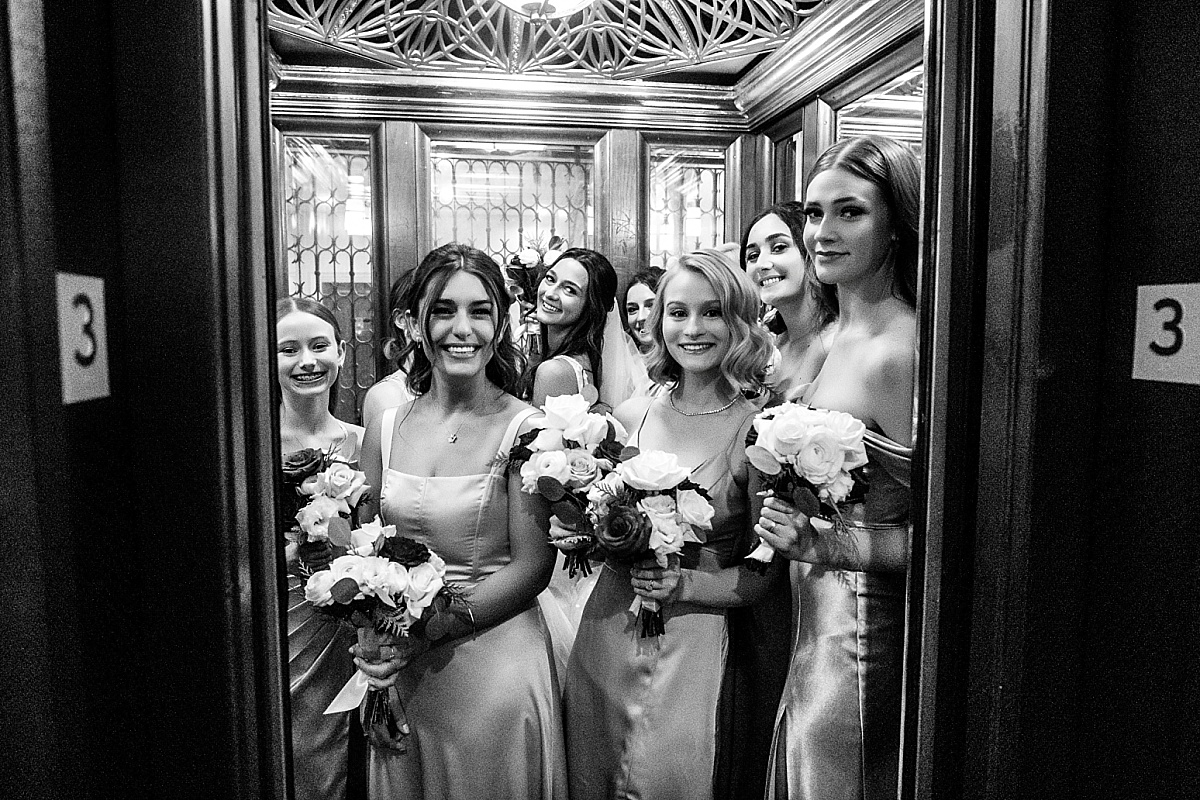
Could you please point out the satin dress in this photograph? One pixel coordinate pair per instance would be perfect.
(484, 710)
(325, 761)
(642, 713)
(837, 730)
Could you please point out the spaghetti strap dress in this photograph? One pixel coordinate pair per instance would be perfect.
(641, 713)
(562, 601)
(484, 710)
(327, 763)
(837, 730)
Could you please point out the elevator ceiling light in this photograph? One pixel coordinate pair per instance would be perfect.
(546, 9)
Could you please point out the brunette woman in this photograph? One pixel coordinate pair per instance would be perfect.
(482, 699)
(837, 730)
(309, 354)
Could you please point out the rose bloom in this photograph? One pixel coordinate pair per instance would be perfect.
(363, 540)
(589, 431)
(564, 410)
(820, 458)
(784, 432)
(582, 467)
(667, 537)
(406, 551)
(654, 470)
(694, 509)
(314, 517)
(348, 566)
(423, 583)
(529, 257)
(547, 439)
(623, 532)
(395, 581)
(299, 465)
(316, 591)
(849, 430)
(342, 482)
(838, 489)
(551, 464)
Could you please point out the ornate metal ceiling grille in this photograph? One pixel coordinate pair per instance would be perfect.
(610, 38)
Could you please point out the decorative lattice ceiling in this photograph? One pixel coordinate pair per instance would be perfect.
(616, 39)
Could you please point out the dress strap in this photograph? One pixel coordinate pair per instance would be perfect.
(637, 434)
(387, 431)
(510, 435)
(581, 376)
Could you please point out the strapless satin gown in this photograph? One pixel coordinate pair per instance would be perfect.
(319, 664)
(642, 714)
(837, 731)
(484, 710)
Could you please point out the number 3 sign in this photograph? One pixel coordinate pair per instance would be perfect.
(82, 339)
(1167, 343)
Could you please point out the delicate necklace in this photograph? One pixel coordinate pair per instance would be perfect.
(671, 400)
(453, 437)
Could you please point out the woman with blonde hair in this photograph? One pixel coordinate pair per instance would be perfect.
(641, 714)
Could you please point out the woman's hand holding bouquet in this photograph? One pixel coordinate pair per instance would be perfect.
(811, 462)
(643, 513)
(561, 461)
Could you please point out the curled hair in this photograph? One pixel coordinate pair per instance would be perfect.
(745, 365)
(648, 277)
(428, 281)
(895, 169)
(791, 213)
(586, 334)
(287, 305)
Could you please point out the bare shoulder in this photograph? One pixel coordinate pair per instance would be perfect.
(554, 377)
(630, 412)
(513, 406)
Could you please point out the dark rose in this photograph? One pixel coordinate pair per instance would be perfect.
(405, 551)
(301, 464)
(623, 532)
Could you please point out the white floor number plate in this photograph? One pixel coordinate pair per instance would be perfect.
(1167, 342)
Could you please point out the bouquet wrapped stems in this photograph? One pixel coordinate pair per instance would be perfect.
(382, 713)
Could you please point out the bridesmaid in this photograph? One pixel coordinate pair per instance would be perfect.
(482, 700)
(772, 254)
(309, 354)
(641, 714)
(837, 731)
(639, 300)
(393, 389)
(573, 301)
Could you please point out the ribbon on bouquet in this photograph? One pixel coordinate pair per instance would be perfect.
(649, 613)
(351, 695)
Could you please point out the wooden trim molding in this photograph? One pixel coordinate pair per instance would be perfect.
(837, 41)
(507, 100)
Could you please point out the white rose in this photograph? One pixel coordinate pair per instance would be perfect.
(316, 591)
(550, 464)
(849, 431)
(392, 582)
(789, 429)
(564, 410)
(820, 457)
(342, 482)
(438, 563)
(582, 468)
(314, 517)
(364, 540)
(589, 431)
(838, 489)
(348, 566)
(547, 439)
(551, 256)
(423, 584)
(654, 470)
(694, 509)
(374, 576)
(529, 257)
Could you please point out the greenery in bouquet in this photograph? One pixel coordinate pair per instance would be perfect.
(811, 457)
(561, 460)
(648, 507)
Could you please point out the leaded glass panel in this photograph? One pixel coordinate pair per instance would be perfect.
(505, 197)
(687, 200)
(328, 232)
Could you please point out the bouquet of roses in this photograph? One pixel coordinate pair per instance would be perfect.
(561, 461)
(389, 587)
(324, 491)
(648, 506)
(814, 458)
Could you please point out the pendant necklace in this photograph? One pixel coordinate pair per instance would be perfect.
(671, 400)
